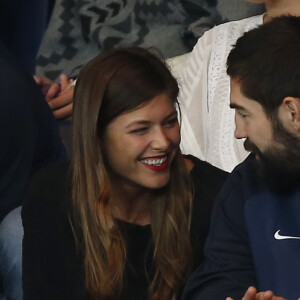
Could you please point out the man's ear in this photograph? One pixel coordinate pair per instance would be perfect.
(290, 113)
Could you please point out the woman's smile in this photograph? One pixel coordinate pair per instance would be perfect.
(157, 164)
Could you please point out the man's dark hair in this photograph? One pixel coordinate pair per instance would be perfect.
(266, 62)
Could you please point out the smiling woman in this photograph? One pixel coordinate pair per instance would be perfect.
(152, 135)
(125, 220)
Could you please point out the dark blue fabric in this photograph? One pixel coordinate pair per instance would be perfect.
(22, 26)
(241, 249)
(277, 262)
(28, 132)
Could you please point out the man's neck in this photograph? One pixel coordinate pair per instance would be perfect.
(276, 8)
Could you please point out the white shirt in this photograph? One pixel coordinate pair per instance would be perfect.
(207, 127)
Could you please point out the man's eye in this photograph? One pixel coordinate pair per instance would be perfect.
(139, 131)
(241, 114)
(171, 122)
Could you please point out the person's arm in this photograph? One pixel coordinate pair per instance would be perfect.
(28, 132)
(228, 269)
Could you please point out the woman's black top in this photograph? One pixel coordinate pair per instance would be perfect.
(53, 268)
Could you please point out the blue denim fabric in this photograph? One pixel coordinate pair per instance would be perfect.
(11, 235)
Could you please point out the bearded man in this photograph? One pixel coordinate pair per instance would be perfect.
(254, 239)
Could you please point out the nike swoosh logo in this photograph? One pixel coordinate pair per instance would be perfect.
(277, 236)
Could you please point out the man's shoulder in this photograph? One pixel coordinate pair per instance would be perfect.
(230, 31)
(244, 179)
(242, 24)
(224, 35)
(247, 167)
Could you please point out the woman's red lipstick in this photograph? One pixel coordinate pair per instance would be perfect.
(157, 168)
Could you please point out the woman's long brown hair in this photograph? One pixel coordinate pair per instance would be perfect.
(110, 84)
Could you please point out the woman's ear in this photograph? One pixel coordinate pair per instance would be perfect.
(290, 113)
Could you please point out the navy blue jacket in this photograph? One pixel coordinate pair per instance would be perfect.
(29, 137)
(254, 239)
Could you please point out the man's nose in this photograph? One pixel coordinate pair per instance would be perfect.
(240, 128)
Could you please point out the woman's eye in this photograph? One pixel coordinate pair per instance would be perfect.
(139, 131)
(171, 122)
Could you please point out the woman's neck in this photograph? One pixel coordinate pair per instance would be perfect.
(132, 206)
(276, 8)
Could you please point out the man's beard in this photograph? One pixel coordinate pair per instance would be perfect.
(279, 165)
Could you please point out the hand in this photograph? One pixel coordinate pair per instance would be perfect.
(251, 294)
(62, 104)
(58, 96)
(49, 88)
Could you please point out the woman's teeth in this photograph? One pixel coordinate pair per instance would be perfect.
(154, 162)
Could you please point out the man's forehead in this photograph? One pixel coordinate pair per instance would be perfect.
(235, 84)
(236, 95)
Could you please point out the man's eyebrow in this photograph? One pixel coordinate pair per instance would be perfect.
(236, 106)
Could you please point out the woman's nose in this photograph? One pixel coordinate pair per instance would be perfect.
(160, 140)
